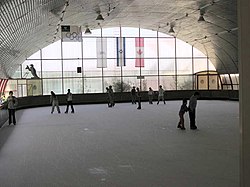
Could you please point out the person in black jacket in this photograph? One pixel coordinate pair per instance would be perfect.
(12, 103)
(138, 94)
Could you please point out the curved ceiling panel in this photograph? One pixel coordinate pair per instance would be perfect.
(29, 25)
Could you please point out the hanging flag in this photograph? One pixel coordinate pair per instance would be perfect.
(3, 84)
(120, 51)
(139, 50)
(71, 33)
(101, 52)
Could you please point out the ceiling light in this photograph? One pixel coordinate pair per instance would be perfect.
(87, 31)
(99, 17)
(171, 30)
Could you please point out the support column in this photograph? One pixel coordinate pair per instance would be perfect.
(244, 71)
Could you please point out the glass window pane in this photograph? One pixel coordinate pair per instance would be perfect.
(184, 66)
(236, 87)
(52, 68)
(89, 48)
(130, 32)
(167, 66)
(118, 84)
(150, 48)
(160, 34)
(183, 49)
(11, 86)
(151, 67)
(52, 51)
(200, 65)
(72, 49)
(166, 47)
(184, 83)
(70, 68)
(93, 85)
(90, 68)
(111, 32)
(147, 33)
(111, 48)
(52, 85)
(198, 53)
(132, 81)
(235, 78)
(149, 81)
(168, 82)
(130, 68)
(74, 84)
(17, 74)
(112, 68)
(211, 66)
(130, 48)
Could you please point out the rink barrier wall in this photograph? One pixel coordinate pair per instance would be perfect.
(96, 98)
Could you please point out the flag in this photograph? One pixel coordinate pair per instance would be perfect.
(71, 33)
(120, 51)
(101, 52)
(3, 83)
(139, 50)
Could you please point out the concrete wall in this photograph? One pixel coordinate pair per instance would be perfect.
(38, 101)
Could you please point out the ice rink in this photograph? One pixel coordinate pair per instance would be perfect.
(122, 147)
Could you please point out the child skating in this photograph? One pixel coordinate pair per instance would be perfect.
(182, 111)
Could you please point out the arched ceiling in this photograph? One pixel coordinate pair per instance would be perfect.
(29, 25)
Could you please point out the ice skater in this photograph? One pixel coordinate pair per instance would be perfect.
(54, 101)
(12, 103)
(138, 94)
(69, 102)
(161, 95)
(182, 111)
(192, 109)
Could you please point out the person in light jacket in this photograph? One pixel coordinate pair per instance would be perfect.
(69, 102)
(54, 101)
(12, 103)
(161, 95)
(150, 95)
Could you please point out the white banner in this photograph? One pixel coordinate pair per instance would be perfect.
(101, 52)
(120, 51)
(71, 33)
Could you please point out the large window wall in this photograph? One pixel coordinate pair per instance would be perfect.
(167, 61)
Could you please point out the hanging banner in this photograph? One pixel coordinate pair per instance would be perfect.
(71, 33)
(139, 51)
(101, 52)
(120, 51)
(3, 84)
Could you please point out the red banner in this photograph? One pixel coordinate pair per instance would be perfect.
(3, 83)
(139, 47)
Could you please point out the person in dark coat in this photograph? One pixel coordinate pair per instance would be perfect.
(138, 94)
(182, 111)
(192, 108)
(133, 95)
(12, 103)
